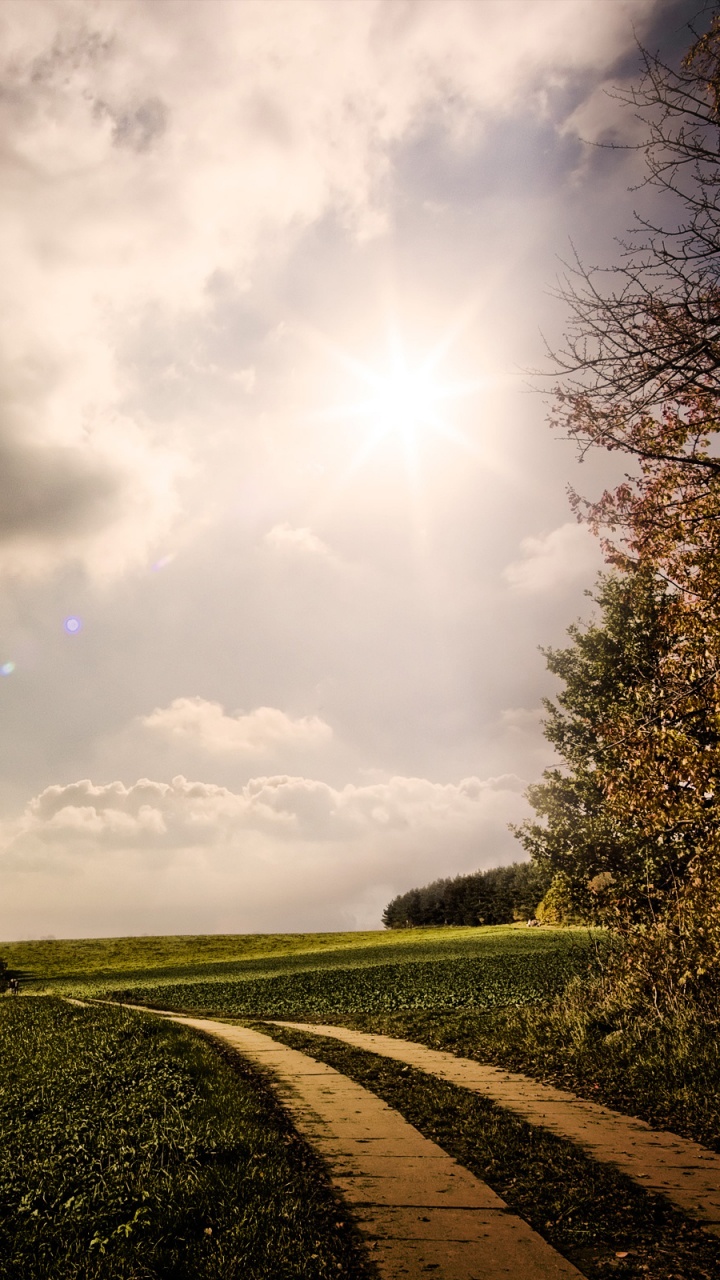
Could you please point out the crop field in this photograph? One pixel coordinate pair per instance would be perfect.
(85, 966)
(462, 982)
(134, 1150)
(439, 969)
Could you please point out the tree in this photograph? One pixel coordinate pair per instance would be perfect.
(640, 374)
(640, 366)
(497, 896)
(652, 336)
(611, 673)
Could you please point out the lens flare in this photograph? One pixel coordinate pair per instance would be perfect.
(162, 563)
(73, 625)
(7, 668)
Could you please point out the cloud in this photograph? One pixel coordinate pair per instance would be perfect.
(281, 852)
(182, 812)
(102, 504)
(260, 732)
(552, 562)
(522, 734)
(523, 720)
(146, 150)
(284, 538)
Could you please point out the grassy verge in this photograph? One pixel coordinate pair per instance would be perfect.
(596, 1217)
(134, 1150)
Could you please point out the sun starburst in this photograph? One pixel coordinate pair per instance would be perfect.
(401, 401)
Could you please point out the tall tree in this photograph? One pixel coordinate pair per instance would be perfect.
(641, 362)
(641, 375)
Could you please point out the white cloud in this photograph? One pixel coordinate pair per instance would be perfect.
(147, 149)
(281, 852)
(284, 538)
(554, 561)
(256, 733)
(283, 805)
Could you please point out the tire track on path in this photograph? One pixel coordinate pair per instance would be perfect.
(421, 1212)
(679, 1169)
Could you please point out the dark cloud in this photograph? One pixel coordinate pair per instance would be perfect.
(138, 127)
(49, 491)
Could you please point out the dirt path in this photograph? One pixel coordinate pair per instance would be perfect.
(422, 1213)
(681, 1170)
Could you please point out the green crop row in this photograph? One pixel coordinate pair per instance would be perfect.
(67, 967)
(134, 1150)
(454, 984)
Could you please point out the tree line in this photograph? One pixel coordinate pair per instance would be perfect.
(498, 896)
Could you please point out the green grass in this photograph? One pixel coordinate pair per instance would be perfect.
(79, 964)
(439, 969)
(587, 1211)
(52, 959)
(133, 1149)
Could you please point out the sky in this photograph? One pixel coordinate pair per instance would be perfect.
(282, 522)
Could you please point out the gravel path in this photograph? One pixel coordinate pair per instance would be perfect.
(684, 1172)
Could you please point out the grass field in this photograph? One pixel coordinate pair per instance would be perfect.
(111, 1104)
(79, 965)
(438, 969)
(517, 997)
(333, 991)
(134, 1150)
(63, 959)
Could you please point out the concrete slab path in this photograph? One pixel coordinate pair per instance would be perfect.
(683, 1171)
(422, 1213)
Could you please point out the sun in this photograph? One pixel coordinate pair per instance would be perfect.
(394, 403)
(402, 401)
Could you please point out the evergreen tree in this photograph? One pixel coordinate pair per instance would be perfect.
(497, 896)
